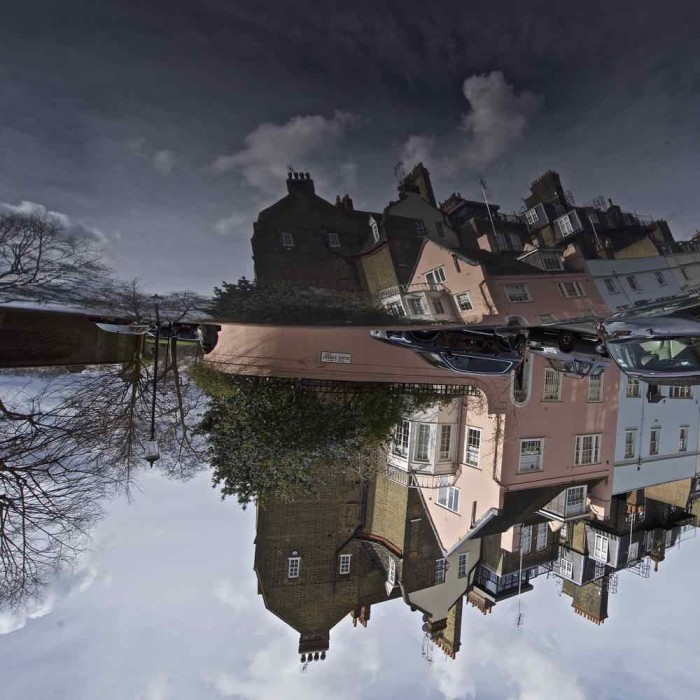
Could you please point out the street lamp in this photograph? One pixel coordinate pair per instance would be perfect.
(152, 450)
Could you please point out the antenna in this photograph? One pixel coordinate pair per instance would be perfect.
(486, 202)
(399, 172)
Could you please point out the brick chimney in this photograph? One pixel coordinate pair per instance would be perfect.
(418, 180)
(361, 614)
(300, 183)
(547, 188)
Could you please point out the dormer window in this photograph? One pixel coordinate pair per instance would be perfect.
(333, 240)
(531, 216)
(375, 230)
(293, 567)
(287, 240)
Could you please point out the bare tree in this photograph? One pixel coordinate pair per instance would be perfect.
(39, 258)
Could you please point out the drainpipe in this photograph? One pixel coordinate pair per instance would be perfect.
(485, 297)
(497, 439)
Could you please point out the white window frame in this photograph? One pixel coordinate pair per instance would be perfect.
(596, 439)
(542, 536)
(601, 548)
(530, 443)
(344, 564)
(436, 276)
(683, 391)
(551, 390)
(472, 446)
(440, 570)
(525, 539)
(517, 293)
(464, 301)
(566, 569)
(416, 306)
(391, 573)
(531, 216)
(630, 445)
(660, 278)
(611, 285)
(396, 308)
(448, 496)
(654, 441)
(632, 281)
(547, 318)
(462, 565)
(633, 389)
(551, 261)
(633, 551)
(445, 437)
(293, 567)
(595, 389)
(565, 226)
(333, 240)
(571, 288)
(287, 239)
(375, 230)
(423, 430)
(572, 498)
(683, 433)
(402, 439)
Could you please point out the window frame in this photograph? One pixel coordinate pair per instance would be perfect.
(567, 571)
(654, 441)
(287, 239)
(633, 453)
(440, 571)
(570, 502)
(344, 562)
(462, 565)
(601, 554)
(636, 392)
(422, 429)
(438, 308)
(595, 449)
(523, 441)
(293, 567)
(333, 240)
(660, 278)
(590, 395)
(681, 391)
(541, 537)
(531, 216)
(391, 573)
(683, 434)
(551, 397)
(578, 290)
(460, 297)
(403, 426)
(566, 228)
(611, 285)
(525, 537)
(445, 455)
(508, 290)
(467, 453)
(632, 282)
(436, 276)
(448, 496)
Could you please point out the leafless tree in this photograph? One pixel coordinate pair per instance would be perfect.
(40, 259)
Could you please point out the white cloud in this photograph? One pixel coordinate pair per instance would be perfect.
(157, 689)
(270, 148)
(238, 222)
(165, 161)
(497, 118)
(227, 594)
(79, 230)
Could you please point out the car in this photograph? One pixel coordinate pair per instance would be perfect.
(575, 352)
(658, 343)
(469, 350)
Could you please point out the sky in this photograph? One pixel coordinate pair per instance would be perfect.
(164, 607)
(160, 129)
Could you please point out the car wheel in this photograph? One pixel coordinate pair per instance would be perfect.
(423, 336)
(566, 342)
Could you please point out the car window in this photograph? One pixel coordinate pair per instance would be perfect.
(680, 354)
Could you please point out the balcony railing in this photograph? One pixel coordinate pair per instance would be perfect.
(418, 287)
(420, 480)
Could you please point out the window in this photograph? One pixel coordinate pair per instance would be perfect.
(416, 307)
(531, 216)
(660, 278)
(654, 437)
(391, 574)
(684, 272)
(547, 318)
(375, 230)
(448, 496)
(530, 455)
(440, 568)
(423, 443)
(293, 567)
(565, 226)
(395, 308)
(552, 385)
(438, 308)
(474, 507)
(681, 392)
(517, 292)
(632, 281)
(633, 391)
(436, 276)
(420, 228)
(571, 289)
(575, 500)
(595, 389)
(472, 447)
(344, 564)
(401, 438)
(445, 441)
(333, 240)
(566, 569)
(610, 285)
(633, 552)
(600, 548)
(649, 541)
(525, 539)
(464, 302)
(683, 439)
(587, 449)
(550, 260)
(542, 537)
(439, 229)
(462, 565)
(630, 444)
(287, 240)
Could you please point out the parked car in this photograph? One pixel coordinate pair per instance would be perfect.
(576, 352)
(470, 350)
(658, 343)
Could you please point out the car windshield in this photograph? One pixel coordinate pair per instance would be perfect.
(478, 365)
(677, 354)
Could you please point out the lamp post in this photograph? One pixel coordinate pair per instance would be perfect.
(152, 450)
